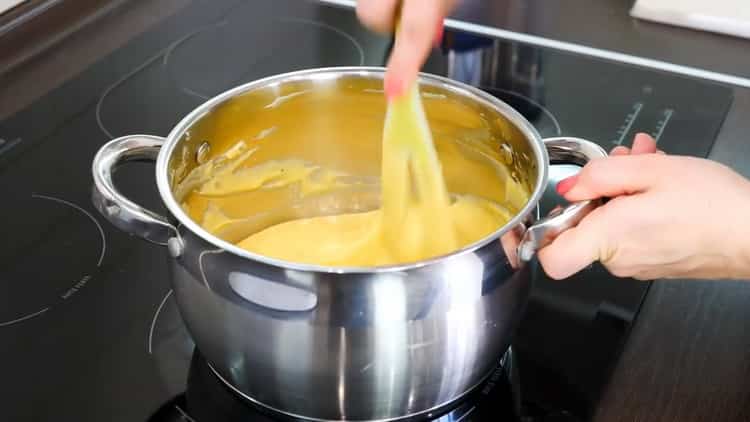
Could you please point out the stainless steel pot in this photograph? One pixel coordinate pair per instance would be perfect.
(331, 344)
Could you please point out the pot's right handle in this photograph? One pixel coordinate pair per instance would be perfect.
(119, 210)
(562, 150)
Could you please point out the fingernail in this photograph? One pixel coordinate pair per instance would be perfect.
(393, 87)
(643, 135)
(439, 33)
(565, 185)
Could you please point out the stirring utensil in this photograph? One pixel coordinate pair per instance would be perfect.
(412, 176)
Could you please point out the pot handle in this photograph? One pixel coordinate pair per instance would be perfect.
(120, 211)
(563, 150)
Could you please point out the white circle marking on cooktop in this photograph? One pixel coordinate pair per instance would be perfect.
(87, 214)
(544, 109)
(161, 54)
(83, 279)
(153, 321)
(170, 50)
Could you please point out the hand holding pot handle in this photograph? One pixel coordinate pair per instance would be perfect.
(120, 211)
(563, 150)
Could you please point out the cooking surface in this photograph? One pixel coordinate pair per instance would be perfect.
(85, 326)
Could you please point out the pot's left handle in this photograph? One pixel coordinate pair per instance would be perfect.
(119, 210)
(541, 233)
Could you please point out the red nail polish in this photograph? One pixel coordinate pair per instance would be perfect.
(565, 185)
(439, 33)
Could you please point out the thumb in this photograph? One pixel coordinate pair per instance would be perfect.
(612, 176)
(576, 248)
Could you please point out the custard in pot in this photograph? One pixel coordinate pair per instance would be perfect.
(414, 191)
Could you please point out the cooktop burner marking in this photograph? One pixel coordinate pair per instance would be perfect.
(83, 280)
(189, 91)
(186, 38)
(184, 414)
(23, 318)
(161, 54)
(87, 214)
(115, 85)
(153, 321)
(334, 29)
(166, 53)
(544, 109)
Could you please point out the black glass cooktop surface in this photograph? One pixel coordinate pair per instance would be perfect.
(89, 330)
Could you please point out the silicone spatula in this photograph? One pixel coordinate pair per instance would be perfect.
(412, 175)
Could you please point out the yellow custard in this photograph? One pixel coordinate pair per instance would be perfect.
(307, 203)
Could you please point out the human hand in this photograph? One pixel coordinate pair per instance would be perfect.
(669, 217)
(421, 27)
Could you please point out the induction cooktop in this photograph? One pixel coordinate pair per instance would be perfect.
(89, 330)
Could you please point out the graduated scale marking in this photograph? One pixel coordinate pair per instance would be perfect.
(662, 124)
(630, 119)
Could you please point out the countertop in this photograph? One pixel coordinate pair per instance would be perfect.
(688, 357)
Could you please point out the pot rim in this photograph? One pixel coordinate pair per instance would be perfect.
(456, 87)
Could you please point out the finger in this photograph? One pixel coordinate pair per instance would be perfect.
(574, 250)
(620, 150)
(614, 176)
(643, 144)
(658, 151)
(378, 15)
(419, 23)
